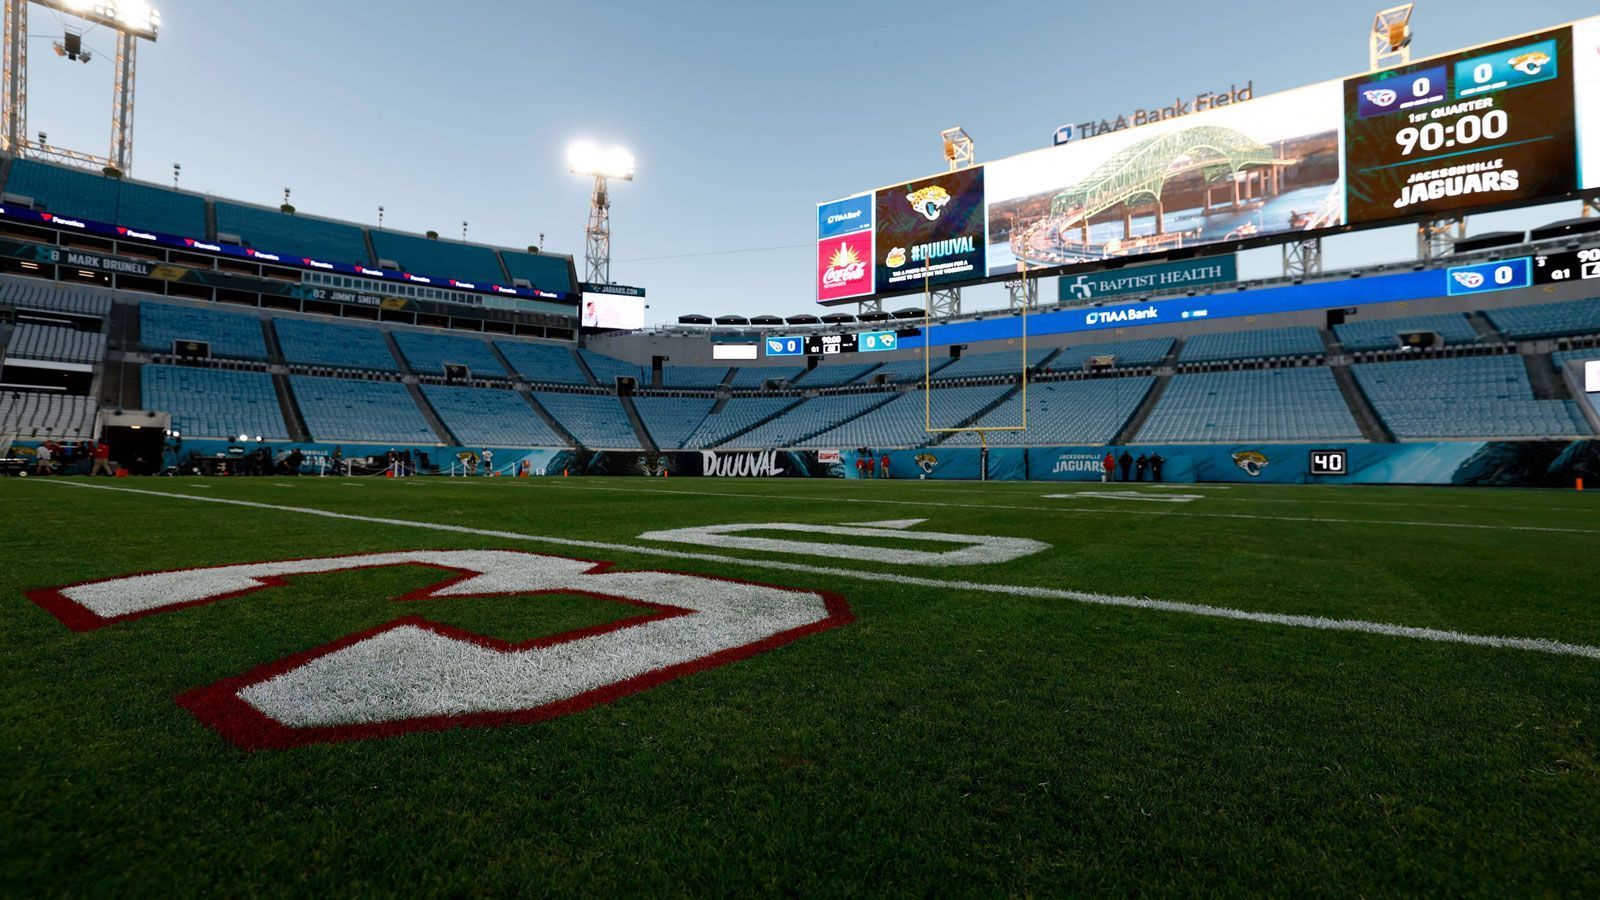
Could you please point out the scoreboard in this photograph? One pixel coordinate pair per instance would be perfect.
(832, 344)
(1573, 265)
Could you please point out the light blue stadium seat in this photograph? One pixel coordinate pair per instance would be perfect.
(1266, 343)
(231, 335)
(1089, 411)
(31, 341)
(835, 374)
(753, 377)
(1128, 354)
(1253, 405)
(293, 235)
(672, 420)
(429, 352)
(905, 420)
(1384, 334)
(341, 409)
(214, 403)
(547, 273)
(542, 363)
(598, 421)
(704, 377)
(904, 371)
(75, 192)
(1570, 317)
(735, 416)
(438, 258)
(490, 417)
(1485, 396)
(607, 369)
(1002, 362)
(309, 342)
(811, 417)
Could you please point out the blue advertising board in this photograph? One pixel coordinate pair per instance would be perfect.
(1501, 275)
(847, 216)
(786, 345)
(877, 341)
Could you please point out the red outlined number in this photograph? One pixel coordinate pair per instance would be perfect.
(411, 674)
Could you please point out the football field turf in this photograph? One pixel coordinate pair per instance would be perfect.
(1010, 688)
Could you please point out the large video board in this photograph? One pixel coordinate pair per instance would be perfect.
(1512, 122)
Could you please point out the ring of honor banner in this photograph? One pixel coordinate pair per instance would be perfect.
(1482, 127)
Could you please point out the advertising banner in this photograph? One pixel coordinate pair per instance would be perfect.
(1491, 125)
(930, 231)
(1171, 276)
(1270, 166)
(1586, 87)
(844, 248)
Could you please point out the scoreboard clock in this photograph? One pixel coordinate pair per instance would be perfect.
(829, 344)
(1573, 265)
(1485, 126)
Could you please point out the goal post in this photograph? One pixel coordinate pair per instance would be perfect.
(927, 367)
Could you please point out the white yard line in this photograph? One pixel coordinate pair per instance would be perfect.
(1321, 623)
(1095, 511)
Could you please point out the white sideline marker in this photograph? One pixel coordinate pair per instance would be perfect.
(1127, 495)
(1320, 623)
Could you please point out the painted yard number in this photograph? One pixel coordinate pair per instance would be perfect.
(411, 674)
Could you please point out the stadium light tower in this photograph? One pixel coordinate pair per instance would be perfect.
(132, 20)
(603, 164)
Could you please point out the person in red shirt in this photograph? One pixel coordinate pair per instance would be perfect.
(1109, 465)
(861, 466)
(872, 466)
(884, 466)
(102, 459)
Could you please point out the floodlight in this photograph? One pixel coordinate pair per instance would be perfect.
(587, 158)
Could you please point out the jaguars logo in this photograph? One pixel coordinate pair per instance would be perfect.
(927, 462)
(1530, 64)
(653, 466)
(930, 201)
(1251, 461)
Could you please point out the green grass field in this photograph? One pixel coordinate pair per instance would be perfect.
(1025, 726)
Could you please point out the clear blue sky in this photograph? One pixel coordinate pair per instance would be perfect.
(743, 115)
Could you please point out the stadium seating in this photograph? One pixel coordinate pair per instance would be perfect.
(1568, 357)
(1384, 334)
(214, 403)
(30, 415)
(811, 417)
(904, 421)
(341, 409)
(293, 235)
(983, 365)
(490, 417)
(907, 371)
(309, 342)
(542, 363)
(702, 377)
(426, 256)
(1128, 354)
(231, 335)
(1547, 319)
(1266, 343)
(1252, 405)
(1088, 411)
(75, 192)
(607, 369)
(735, 416)
(672, 420)
(1486, 396)
(596, 420)
(49, 342)
(429, 351)
(751, 378)
(48, 297)
(548, 273)
(829, 375)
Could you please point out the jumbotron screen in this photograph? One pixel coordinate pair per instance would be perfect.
(1512, 122)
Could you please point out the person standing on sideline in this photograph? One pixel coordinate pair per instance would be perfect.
(41, 455)
(1155, 466)
(872, 465)
(883, 466)
(488, 461)
(1139, 466)
(102, 459)
(861, 464)
(1107, 465)
(1126, 459)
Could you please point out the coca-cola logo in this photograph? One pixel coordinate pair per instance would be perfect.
(844, 267)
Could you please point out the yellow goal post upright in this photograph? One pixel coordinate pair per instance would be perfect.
(927, 366)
